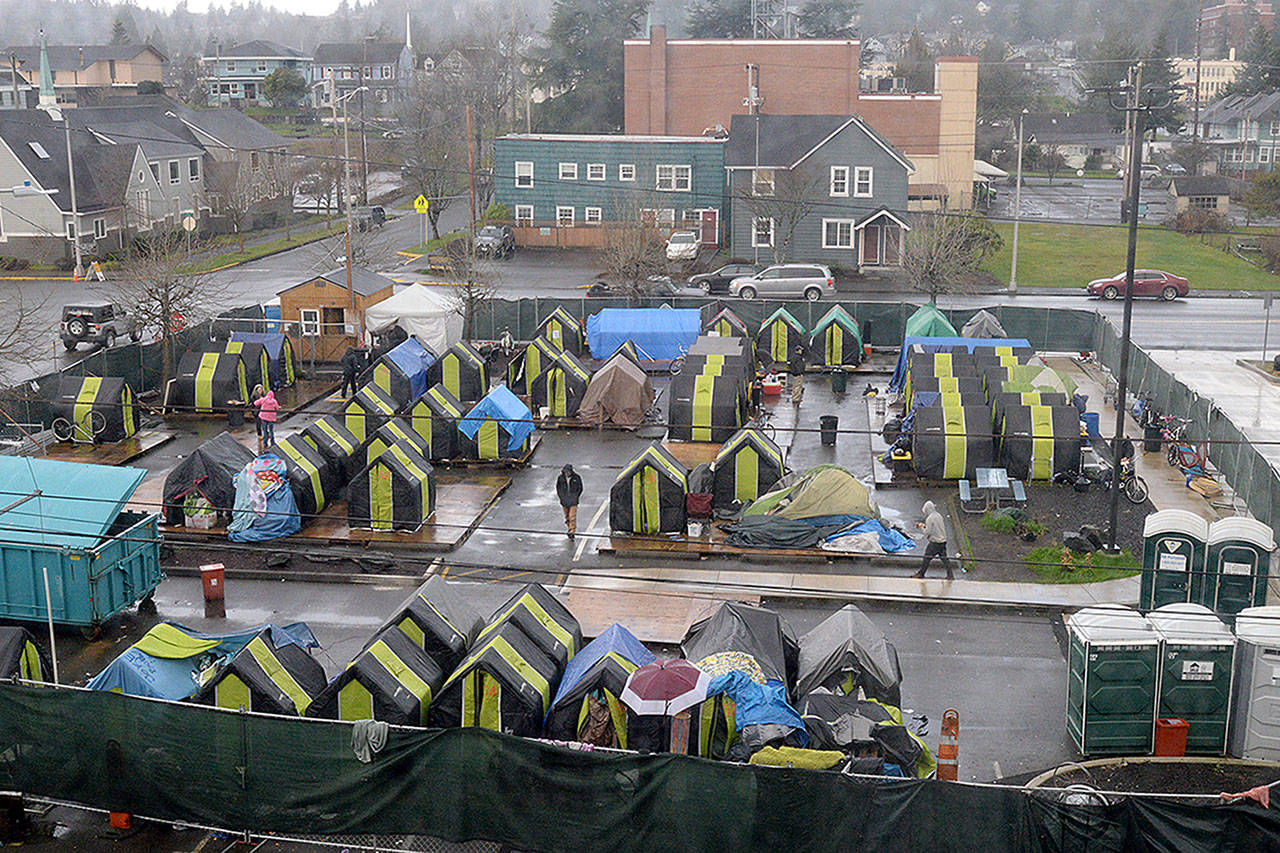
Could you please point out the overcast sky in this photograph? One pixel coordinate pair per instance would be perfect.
(303, 7)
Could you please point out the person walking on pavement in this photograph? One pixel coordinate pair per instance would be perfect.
(569, 491)
(935, 534)
(350, 369)
(795, 366)
(268, 410)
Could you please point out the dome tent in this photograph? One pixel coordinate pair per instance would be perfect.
(336, 444)
(312, 478)
(395, 491)
(283, 365)
(598, 672)
(401, 372)
(206, 382)
(746, 466)
(462, 371)
(560, 386)
(392, 680)
(929, 322)
(563, 331)
(526, 366)
(394, 432)
(835, 340)
(619, 393)
(368, 409)
(208, 473)
(779, 335)
(983, 325)
(756, 631)
(440, 620)
(265, 677)
(648, 496)
(824, 490)
(87, 400)
(951, 443)
(434, 418)
(845, 652)
(543, 619)
(21, 658)
(504, 684)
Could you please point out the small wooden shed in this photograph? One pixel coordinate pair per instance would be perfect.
(318, 312)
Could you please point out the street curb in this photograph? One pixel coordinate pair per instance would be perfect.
(267, 255)
(37, 278)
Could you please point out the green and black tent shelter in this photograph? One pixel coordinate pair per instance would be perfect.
(1038, 442)
(746, 466)
(336, 444)
(561, 386)
(542, 618)
(267, 678)
(434, 418)
(951, 444)
(257, 362)
(392, 680)
(1002, 400)
(726, 324)
(836, 340)
(207, 382)
(96, 402)
(597, 676)
(704, 406)
(370, 408)
(313, 479)
(628, 350)
(440, 619)
(283, 362)
(462, 371)
(563, 331)
(648, 496)
(504, 684)
(21, 658)
(395, 431)
(526, 366)
(395, 491)
(779, 335)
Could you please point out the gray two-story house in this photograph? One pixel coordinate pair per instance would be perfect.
(565, 189)
(818, 188)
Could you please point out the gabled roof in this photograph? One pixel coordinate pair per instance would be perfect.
(363, 281)
(102, 170)
(158, 134)
(1260, 107)
(259, 48)
(1200, 185)
(785, 141)
(228, 128)
(1091, 129)
(357, 53)
(77, 57)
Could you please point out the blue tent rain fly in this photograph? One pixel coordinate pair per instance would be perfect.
(663, 333)
(402, 371)
(256, 520)
(500, 425)
(597, 675)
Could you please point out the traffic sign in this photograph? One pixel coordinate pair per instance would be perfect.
(189, 223)
(421, 204)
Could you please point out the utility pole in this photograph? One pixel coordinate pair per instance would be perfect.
(1195, 110)
(13, 76)
(1017, 211)
(1244, 144)
(75, 212)
(471, 169)
(364, 151)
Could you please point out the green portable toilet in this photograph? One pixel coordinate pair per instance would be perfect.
(1197, 664)
(1237, 560)
(1255, 698)
(1172, 555)
(1113, 661)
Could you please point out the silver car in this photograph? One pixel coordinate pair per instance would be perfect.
(812, 281)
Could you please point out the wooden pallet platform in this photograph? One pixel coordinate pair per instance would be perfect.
(116, 453)
(691, 454)
(514, 462)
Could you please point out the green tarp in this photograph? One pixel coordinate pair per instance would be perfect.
(929, 322)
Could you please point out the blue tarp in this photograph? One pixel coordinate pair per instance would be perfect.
(278, 517)
(505, 408)
(945, 345)
(137, 673)
(891, 540)
(273, 343)
(61, 504)
(616, 640)
(758, 704)
(413, 359)
(661, 333)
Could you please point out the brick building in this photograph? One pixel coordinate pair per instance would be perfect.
(685, 87)
(1229, 25)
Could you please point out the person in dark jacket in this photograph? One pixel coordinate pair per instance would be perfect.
(569, 491)
(352, 361)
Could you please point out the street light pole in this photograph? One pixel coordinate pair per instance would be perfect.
(1017, 211)
(346, 198)
(75, 213)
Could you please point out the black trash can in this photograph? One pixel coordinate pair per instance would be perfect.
(1151, 439)
(235, 416)
(827, 425)
(839, 380)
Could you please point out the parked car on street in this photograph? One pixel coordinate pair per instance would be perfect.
(1157, 283)
(682, 246)
(658, 286)
(717, 281)
(97, 323)
(367, 218)
(496, 241)
(812, 281)
(1174, 169)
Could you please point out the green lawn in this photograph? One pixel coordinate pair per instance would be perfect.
(262, 249)
(1051, 255)
(436, 243)
(1055, 564)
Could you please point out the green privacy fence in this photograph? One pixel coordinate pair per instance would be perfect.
(247, 772)
(882, 323)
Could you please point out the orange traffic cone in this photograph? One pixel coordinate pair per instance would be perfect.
(949, 747)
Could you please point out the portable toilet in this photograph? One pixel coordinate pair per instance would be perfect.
(1255, 699)
(1237, 561)
(1172, 555)
(1113, 663)
(1197, 665)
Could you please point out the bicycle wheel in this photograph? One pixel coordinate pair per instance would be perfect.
(677, 364)
(62, 429)
(97, 423)
(1135, 489)
(1172, 453)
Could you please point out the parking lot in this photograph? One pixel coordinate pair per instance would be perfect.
(1081, 200)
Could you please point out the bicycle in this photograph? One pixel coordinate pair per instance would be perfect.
(764, 423)
(95, 423)
(1173, 431)
(1132, 486)
(677, 363)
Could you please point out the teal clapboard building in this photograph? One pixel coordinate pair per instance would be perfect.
(574, 183)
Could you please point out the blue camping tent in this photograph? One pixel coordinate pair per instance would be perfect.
(279, 350)
(402, 371)
(615, 640)
(597, 674)
(662, 333)
(252, 519)
(504, 411)
(945, 345)
(166, 663)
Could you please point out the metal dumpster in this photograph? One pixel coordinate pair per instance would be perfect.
(1237, 562)
(68, 518)
(1197, 664)
(1172, 556)
(1112, 665)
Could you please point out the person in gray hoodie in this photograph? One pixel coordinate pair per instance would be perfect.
(935, 534)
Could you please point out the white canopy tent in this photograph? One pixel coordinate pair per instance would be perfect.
(426, 313)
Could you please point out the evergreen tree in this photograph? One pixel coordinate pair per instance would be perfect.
(1005, 88)
(120, 32)
(829, 19)
(916, 64)
(1109, 66)
(1259, 73)
(1158, 72)
(715, 19)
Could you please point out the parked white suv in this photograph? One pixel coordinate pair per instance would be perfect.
(812, 281)
(682, 246)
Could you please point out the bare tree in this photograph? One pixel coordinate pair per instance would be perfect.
(475, 283)
(632, 254)
(23, 335)
(1052, 160)
(435, 137)
(944, 250)
(321, 171)
(784, 196)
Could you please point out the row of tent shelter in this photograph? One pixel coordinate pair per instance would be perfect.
(225, 372)
(525, 670)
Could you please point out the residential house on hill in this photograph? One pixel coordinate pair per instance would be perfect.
(83, 73)
(234, 76)
(1078, 137)
(1244, 130)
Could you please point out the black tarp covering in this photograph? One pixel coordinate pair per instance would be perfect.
(746, 466)
(774, 531)
(848, 650)
(967, 385)
(951, 444)
(850, 721)
(560, 386)
(293, 776)
(257, 362)
(110, 397)
(924, 363)
(543, 619)
(758, 631)
(272, 679)
(21, 657)
(462, 371)
(394, 431)
(336, 444)
(704, 407)
(368, 409)
(391, 680)
(1001, 400)
(210, 470)
(207, 382)
(440, 619)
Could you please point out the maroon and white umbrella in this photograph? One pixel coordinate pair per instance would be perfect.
(665, 687)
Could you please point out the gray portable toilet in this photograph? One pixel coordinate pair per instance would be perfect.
(1255, 700)
(1172, 554)
(1197, 665)
(1113, 660)
(1237, 561)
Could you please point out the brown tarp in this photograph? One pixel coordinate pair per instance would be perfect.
(619, 393)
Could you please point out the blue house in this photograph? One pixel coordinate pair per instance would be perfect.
(562, 188)
(817, 188)
(234, 75)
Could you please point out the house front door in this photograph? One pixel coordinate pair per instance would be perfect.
(871, 246)
(710, 230)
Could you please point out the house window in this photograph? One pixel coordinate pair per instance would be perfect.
(524, 214)
(142, 201)
(175, 172)
(568, 171)
(837, 233)
(674, 178)
(231, 68)
(626, 171)
(595, 171)
(1203, 202)
(1264, 155)
(592, 216)
(253, 160)
(155, 171)
(193, 168)
(382, 96)
(99, 229)
(762, 232)
(524, 173)
(346, 74)
(71, 230)
(262, 67)
(839, 181)
(564, 217)
(862, 182)
(310, 322)
(1275, 128)
(386, 72)
(1233, 155)
(762, 182)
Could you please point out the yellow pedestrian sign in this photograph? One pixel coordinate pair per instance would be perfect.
(421, 204)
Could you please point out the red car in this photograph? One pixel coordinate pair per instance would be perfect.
(1157, 283)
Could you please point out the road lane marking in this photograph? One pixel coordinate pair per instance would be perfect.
(591, 527)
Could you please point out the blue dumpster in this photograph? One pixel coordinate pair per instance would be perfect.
(69, 518)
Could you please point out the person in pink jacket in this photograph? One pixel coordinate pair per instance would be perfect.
(268, 411)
